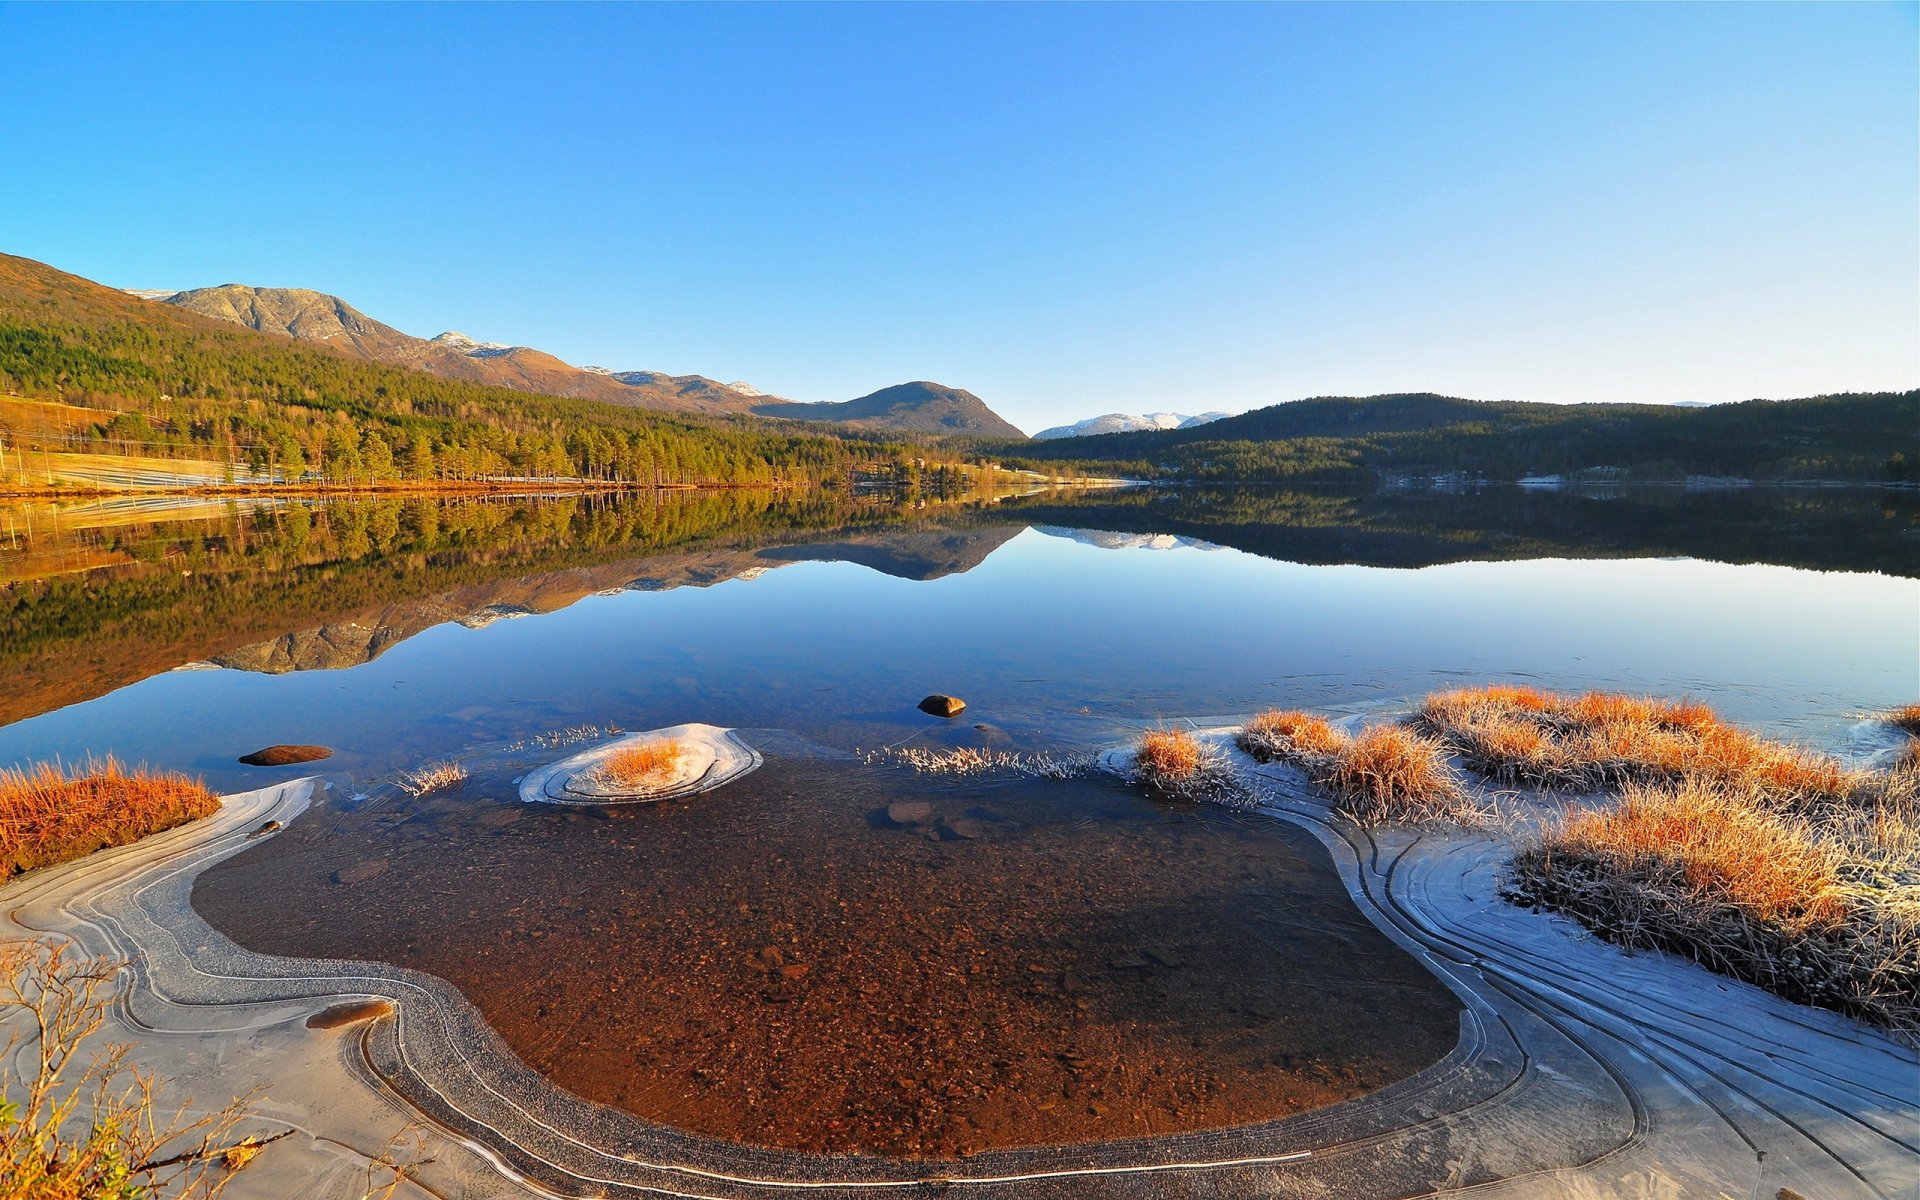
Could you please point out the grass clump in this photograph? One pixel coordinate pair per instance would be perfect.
(1390, 774)
(1180, 766)
(1171, 760)
(1542, 739)
(1291, 735)
(1906, 717)
(1819, 905)
(1387, 773)
(431, 778)
(48, 816)
(640, 766)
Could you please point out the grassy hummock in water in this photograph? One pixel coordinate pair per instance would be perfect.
(1762, 860)
(48, 816)
(1385, 775)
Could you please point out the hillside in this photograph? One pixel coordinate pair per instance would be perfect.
(1864, 436)
(918, 407)
(317, 317)
(134, 377)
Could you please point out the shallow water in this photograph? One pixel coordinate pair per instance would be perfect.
(1071, 960)
(781, 963)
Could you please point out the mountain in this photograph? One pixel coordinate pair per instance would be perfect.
(1127, 423)
(195, 399)
(310, 316)
(918, 407)
(1866, 437)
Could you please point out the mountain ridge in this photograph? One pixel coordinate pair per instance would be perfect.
(921, 406)
(312, 316)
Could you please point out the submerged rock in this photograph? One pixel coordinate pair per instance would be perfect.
(909, 812)
(285, 756)
(346, 1013)
(943, 706)
(360, 872)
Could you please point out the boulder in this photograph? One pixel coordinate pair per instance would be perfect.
(285, 756)
(938, 705)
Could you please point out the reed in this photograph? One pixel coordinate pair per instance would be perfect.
(48, 816)
(641, 766)
(432, 777)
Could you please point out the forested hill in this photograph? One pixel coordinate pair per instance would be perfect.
(1859, 436)
(159, 381)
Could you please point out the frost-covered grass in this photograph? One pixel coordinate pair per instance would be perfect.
(48, 816)
(640, 766)
(1290, 734)
(432, 777)
(1386, 774)
(1821, 905)
(1171, 760)
(1906, 717)
(1544, 739)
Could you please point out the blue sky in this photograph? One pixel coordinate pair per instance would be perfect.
(1068, 210)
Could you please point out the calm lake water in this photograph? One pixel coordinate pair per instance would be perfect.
(402, 631)
(787, 962)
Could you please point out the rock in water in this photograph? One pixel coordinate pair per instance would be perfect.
(285, 756)
(943, 706)
(909, 812)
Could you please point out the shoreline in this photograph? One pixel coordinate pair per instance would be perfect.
(1606, 1068)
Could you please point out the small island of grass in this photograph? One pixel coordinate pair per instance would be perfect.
(48, 816)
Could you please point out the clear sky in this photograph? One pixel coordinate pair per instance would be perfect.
(1068, 210)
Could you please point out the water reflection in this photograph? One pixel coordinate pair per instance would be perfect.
(387, 627)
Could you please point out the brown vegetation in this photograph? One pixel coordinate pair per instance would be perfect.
(48, 816)
(1390, 774)
(1289, 734)
(1545, 739)
(1817, 905)
(1171, 760)
(1906, 717)
(1386, 774)
(641, 766)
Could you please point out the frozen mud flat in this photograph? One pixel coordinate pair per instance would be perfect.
(1581, 1070)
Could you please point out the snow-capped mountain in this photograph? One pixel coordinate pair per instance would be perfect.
(1129, 423)
(468, 346)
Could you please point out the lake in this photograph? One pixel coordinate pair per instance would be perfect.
(399, 631)
(838, 953)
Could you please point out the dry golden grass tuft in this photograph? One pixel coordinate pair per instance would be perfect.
(1906, 717)
(1290, 734)
(48, 816)
(1386, 774)
(1389, 774)
(1172, 760)
(1821, 906)
(642, 766)
(1598, 739)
